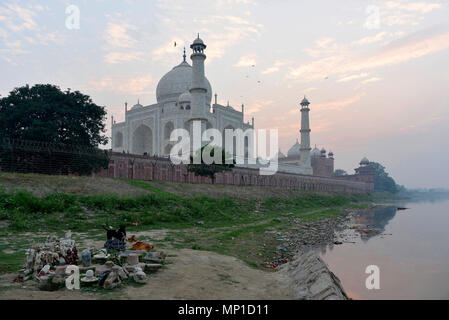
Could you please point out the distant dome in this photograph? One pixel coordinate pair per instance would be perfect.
(315, 152)
(331, 154)
(281, 155)
(295, 150)
(323, 152)
(185, 97)
(176, 82)
(364, 161)
(137, 106)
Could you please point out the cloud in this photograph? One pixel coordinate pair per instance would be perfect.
(117, 35)
(405, 13)
(353, 77)
(18, 18)
(119, 57)
(346, 61)
(246, 61)
(277, 65)
(368, 40)
(335, 104)
(420, 7)
(217, 22)
(137, 85)
(168, 48)
(256, 106)
(370, 80)
(19, 29)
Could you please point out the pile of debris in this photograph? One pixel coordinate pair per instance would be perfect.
(108, 267)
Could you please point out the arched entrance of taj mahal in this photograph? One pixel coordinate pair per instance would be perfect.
(143, 140)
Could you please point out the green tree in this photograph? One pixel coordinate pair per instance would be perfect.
(209, 170)
(383, 182)
(340, 172)
(69, 126)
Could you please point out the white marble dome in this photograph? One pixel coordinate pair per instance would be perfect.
(176, 82)
(295, 151)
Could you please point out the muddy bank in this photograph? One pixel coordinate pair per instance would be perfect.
(189, 274)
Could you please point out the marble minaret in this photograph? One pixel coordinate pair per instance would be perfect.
(198, 90)
(305, 133)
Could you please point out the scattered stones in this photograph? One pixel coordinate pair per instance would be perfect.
(86, 257)
(113, 280)
(48, 262)
(139, 276)
(89, 278)
(102, 255)
(152, 266)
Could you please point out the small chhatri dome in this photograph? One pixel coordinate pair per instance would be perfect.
(281, 155)
(198, 45)
(137, 106)
(198, 40)
(305, 102)
(295, 150)
(323, 152)
(364, 162)
(331, 154)
(315, 152)
(185, 97)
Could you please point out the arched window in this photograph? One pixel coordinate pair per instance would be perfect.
(188, 107)
(118, 140)
(169, 127)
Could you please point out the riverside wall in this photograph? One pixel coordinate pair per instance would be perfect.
(162, 169)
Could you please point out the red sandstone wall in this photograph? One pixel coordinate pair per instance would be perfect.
(322, 167)
(150, 168)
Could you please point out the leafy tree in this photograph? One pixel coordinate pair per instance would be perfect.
(340, 172)
(205, 169)
(383, 182)
(68, 125)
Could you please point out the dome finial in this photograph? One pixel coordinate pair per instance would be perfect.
(184, 55)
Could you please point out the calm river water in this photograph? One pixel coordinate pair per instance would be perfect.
(411, 249)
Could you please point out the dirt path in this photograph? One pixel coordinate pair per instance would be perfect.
(189, 274)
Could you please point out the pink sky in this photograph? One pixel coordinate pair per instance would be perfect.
(376, 72)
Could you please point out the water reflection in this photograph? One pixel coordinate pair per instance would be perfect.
(371, 223)
(410, 248)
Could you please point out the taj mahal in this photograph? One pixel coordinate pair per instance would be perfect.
(184, 95)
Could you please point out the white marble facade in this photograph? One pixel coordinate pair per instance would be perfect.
(185, 94)
(147, 129)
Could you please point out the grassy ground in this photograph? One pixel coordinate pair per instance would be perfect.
(232, 220)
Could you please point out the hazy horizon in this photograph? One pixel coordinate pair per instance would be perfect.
(378, 87)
